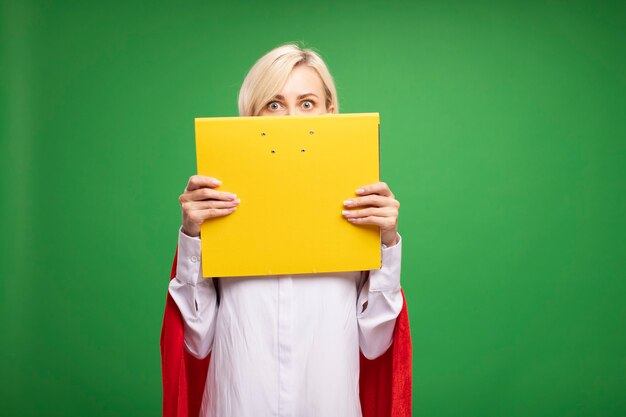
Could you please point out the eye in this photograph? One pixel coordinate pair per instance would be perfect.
(274, 105)
(307, 105)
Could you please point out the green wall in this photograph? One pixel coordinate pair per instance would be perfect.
(503, 129)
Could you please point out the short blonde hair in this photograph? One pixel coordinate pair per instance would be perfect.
(268, 75)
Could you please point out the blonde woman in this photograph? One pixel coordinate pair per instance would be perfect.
(279, 345)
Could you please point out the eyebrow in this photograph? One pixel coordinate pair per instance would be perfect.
(301, 96)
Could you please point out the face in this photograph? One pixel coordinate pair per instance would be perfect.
(303, 94)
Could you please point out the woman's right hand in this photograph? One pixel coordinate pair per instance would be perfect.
(200, 202)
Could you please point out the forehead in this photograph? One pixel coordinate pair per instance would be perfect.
(303, 79)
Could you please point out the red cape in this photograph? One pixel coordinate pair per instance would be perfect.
(385, 382)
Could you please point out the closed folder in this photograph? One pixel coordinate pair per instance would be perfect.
(292, 175)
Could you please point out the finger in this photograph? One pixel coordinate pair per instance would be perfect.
(204, 205)
(199, 216)
(372, 211)
(199, 181)
(207, 194)
(372, 200)
(380, 188)
(383, 222)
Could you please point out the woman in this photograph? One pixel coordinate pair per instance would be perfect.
(283, 345)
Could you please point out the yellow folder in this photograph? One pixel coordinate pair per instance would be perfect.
(292, 174)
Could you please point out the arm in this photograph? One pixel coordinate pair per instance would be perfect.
(195, 297)
(379, 303)
(380, 299)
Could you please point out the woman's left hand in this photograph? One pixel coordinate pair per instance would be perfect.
(377, 206)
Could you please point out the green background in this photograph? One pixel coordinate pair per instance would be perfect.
(503, 126)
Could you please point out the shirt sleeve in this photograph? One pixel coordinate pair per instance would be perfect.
(195, 297)
(379, 303)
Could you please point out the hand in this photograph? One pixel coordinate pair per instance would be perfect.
(379, 207)
(200, 202)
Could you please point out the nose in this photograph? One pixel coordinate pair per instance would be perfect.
(295, 111)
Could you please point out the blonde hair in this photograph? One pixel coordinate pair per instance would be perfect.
(268, 75)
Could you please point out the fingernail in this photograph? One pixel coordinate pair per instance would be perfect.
(360, 190)
(237, 201)
(232, 196)
(345, 212)
(347, 202)
(216, 182)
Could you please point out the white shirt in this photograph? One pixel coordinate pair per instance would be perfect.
(285, 345)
